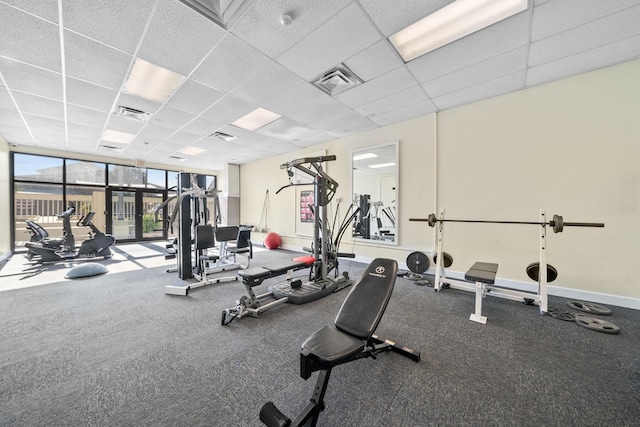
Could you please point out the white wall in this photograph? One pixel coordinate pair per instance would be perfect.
(570, 147)
(5, 205)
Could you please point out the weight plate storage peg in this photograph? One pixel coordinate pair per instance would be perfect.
(561, 314)
(589, 307)
(598, 325)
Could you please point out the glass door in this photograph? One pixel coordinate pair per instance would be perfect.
(132, 214)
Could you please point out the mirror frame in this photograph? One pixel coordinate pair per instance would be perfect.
(396, 145)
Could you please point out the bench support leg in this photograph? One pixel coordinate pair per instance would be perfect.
(477, 316)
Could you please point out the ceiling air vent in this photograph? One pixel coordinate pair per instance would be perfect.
(132, 113)
(109, 147)
(182, 159)
(223, 136)
(337, 80)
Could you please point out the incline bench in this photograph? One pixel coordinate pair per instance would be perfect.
(349, 338)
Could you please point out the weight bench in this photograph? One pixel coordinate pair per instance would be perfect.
(482, 274)
(252, 304)
(350, 338)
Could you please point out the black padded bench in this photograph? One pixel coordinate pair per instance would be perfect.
(482, 274)
(254, 276)
(349, 338)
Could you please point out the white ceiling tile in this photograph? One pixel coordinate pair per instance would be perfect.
(267, 83)
(6, 102)
(320, 111)
(344, 124)
(94, 62)
(202, 126)
(82, 131)
(501, 65)
(228, 109)
(194, 97)
(11, 117)
(374, 61)
(287, 130)
(171, 118)
(230, 64)
(45, 9)
(81, 143)
(178, 38)
(49, 139)
(39, 106)
(295, 99)
(392, 16)
(181, 139)
(260, 25)
(405, 113)
(17, 135)
(490, 42)
(86, 116)
(44, 123)
(29, 39)
(312, 140)
(344, 35)
(120, 24)
(124, 124)
(597, 33)
(388, 84)
(89, 95)
(582, 62)
(561, 15)
(499, 86)
(397, 100)
(26, 78)
(154, 133)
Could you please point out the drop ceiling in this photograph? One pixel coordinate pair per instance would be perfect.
(64, 65)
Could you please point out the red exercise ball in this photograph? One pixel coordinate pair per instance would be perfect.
(272, 240)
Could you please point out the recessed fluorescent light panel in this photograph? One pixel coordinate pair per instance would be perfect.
(192, 151)
(364, 156)
(382, 165)
(256, 119)
(116, 136)
(452, 22)
(152, 82)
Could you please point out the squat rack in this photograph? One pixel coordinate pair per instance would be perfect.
(557, 224)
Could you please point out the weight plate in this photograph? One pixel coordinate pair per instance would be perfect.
(431, 220)
(533, 270)
(417, 262)
(561, 314)
(558, 223)
(448, 259)
(598, 325)
(589, 307)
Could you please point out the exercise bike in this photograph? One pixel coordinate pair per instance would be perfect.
(54, 250)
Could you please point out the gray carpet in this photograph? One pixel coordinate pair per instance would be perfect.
(114, 350)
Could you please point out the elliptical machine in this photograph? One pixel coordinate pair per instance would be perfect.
(54, 250)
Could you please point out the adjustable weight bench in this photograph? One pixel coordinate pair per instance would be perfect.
(350, 338)
(482, 274)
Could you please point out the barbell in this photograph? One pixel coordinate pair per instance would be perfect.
(557, 223)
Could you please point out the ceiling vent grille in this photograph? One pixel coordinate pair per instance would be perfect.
(223, 12)
(223, 136)
(109, 147)
(132, 113)
(182, 159)
(338, 80)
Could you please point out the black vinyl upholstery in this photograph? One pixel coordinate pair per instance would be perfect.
(204, 237)
(484, 272)
(362, 310)
(227, 233)
(358, 317)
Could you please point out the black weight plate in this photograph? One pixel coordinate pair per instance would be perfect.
(561, 314)
(533, 271)
(448, 259)
(417, 262)
(598, 325)
(589, 307)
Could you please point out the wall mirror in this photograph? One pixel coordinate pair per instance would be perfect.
(375, 192)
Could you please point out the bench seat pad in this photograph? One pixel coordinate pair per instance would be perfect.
(331, 346)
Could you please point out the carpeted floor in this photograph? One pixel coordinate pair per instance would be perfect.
(114, 350)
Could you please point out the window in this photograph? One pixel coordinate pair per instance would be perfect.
(27, 167)
(80, 172)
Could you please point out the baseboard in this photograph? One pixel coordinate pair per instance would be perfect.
(570, 293)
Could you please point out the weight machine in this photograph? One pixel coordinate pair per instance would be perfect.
(196, 237)
(483, 285)
(323, 260)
